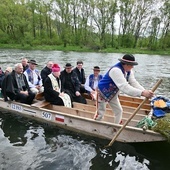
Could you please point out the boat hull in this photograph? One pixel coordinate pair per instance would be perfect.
(85, 125)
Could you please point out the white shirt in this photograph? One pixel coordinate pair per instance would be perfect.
(35, 79)
(132, 87)
(86, 85)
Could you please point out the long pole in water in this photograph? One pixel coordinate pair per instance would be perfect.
(134, 113)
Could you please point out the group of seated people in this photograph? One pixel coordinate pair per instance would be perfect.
(24, 82)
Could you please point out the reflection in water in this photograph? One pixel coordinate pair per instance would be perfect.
(40, 146)
(13, 130)
(27, 144)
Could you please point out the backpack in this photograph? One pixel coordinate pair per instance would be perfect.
(160, 105)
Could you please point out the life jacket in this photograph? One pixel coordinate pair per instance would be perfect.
(160, 106)
(107, 87)
(30, 78)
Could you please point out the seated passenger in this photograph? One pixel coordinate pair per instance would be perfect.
(2, 76)
(15, 86)
(71, 85)
(92, 82)
(79, 70)
(46, 71)
(25, 64)
(8, 70)
(52, 89)
(33, 77)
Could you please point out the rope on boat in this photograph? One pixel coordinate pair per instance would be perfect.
(146, 123)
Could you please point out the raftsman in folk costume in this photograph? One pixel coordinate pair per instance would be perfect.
(119, 77)
(52, 89)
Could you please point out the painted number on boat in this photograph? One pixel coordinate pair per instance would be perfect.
(16, 107)
(47, 115)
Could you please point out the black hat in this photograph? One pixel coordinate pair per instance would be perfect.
(128, 59)
(68, 65)
(96, 68)
(32, 62)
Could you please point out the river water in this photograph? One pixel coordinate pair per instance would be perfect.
(27, 145)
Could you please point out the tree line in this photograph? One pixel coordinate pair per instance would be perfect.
(90, 23)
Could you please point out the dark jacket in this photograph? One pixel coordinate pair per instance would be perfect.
(25, 67)
(44, 73)
(9, 86)
(81, 76)
(69, 83)
(50, 94)
(2, 76)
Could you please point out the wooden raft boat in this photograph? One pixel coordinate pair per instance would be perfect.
(80, 118)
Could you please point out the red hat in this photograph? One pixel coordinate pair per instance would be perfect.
(55, 68)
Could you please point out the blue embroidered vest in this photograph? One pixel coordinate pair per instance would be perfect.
(30, 75)
(91, 80)
(107, 87)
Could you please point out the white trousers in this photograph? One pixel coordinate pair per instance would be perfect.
(115, 106)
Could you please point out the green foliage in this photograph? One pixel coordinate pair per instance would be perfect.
(163, 126)
(4, 38)
(85, 24)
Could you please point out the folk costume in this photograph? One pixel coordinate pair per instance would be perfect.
(92, 81)
(115, 80)
(52, 89)
(34, 79)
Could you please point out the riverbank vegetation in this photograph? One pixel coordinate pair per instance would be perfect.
(85, 49)
(86, 25)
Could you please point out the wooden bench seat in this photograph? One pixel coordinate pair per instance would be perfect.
(39, 96)
(40, 104)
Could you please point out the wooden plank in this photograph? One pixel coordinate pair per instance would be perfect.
(123, 97)
(40, 104)
(88, 114)
(123, 103)
(132, 99)
(140, 115)
(39, 96)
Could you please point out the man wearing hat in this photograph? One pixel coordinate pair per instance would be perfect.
(119, 77)
(34, 78)
(71, 85)
(92, 82)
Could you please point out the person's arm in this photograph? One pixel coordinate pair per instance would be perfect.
(133, 82)
(43, 75)
(86, 85)
(118, 77)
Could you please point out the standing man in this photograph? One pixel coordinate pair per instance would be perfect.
(46, 71)
(33, 77)
(79, 70)
(119, 77)
(92, 82)
(15, 86)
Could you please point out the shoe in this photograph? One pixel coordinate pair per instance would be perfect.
(97, 116)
